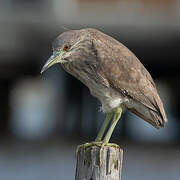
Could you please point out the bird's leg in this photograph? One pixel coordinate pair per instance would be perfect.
(104, 126)
(117, 115)
(98, 140)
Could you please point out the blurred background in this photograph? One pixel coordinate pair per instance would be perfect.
(44, 118)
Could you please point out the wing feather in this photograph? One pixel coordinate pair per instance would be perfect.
(120, 69)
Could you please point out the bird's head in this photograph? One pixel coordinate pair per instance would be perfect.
(70, 47)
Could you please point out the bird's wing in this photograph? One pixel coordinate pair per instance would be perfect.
(135, 83)
(125, 73)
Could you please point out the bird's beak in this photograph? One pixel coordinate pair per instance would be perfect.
(54, 59)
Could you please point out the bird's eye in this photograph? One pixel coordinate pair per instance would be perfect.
(66, 47)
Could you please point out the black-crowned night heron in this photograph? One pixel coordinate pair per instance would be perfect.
(112, 73)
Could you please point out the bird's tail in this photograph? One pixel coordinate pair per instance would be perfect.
(157, 116)
(160, 114)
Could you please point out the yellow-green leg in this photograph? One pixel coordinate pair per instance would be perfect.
(98, 139)
(104, 126)
(98, 142)
(117, 115)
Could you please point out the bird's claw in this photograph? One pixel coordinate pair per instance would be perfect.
(100, 144)
(86, 145)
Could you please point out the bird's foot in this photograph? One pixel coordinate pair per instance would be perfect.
(88, 145)
(100, 144)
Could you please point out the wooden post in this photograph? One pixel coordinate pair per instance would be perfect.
(99, 163)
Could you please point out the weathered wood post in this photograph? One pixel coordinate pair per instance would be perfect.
(99, 163)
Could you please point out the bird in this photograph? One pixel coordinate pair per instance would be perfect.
(113, 74)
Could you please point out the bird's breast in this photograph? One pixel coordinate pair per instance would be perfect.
(109, 98)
